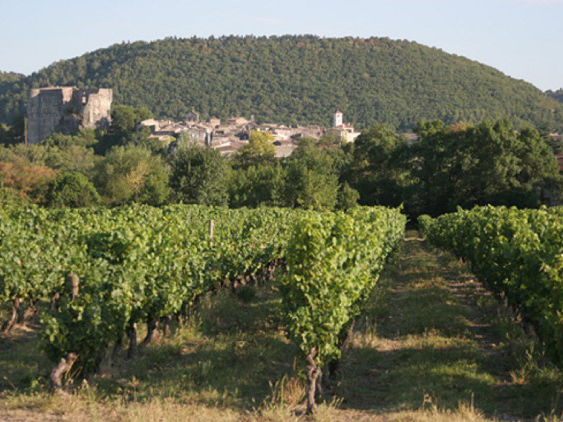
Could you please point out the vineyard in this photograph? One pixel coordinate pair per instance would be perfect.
(518, 254)
(96, 275)
(202, 313)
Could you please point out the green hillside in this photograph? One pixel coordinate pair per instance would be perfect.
(558, 95)
(8, 82)
(296, 79)
(10, 77)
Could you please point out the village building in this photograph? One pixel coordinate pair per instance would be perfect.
(345, 131)
(227, 137)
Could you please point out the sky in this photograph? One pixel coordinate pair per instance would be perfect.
(522, 38)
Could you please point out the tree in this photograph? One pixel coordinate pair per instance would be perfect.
(84, 138)
(259, 184)
(125, 128)
(397, 82)
(259, 149)
(125, 118)
(6, 134)
(199, 175)
(72, 190)
(25, 178)
(491, 163)
(376, 168)
(59, 152)
(132, 174)
(10, 198)
(312, 181)
(347, 197)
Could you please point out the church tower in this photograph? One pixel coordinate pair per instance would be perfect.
(337, 119)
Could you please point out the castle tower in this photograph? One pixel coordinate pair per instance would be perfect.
(66, 110)
(338, 119)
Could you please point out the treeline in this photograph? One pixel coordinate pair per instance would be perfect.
(456, 165)
(557, 95)
(447, 167)
(295, 79)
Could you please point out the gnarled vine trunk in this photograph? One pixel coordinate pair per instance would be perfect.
(29, 313)
(64, 366)
(166, 322)
(151, 327)
(132, 334)
(9, 323)
(314, 373)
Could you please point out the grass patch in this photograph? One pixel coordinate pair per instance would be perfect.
(443, 340)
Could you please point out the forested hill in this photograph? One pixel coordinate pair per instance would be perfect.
(558, 95)
(296, 79)
(9, 77)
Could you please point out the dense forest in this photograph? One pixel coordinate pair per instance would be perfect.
(295, 79)
(558, 95)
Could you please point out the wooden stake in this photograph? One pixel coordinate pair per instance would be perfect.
(73, 284)
(211, 227)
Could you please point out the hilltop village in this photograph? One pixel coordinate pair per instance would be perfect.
(227, 137)
(68, 109)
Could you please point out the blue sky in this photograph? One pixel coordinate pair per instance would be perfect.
(522, 38)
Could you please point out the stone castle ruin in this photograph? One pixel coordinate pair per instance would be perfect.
(66, 110)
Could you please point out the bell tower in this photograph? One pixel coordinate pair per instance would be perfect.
(337, 119)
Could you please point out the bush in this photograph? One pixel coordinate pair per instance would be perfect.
(199, 176)
(132, 174)
(72, 190)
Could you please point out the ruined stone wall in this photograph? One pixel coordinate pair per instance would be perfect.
(66, 110)
(45, 109)
(96, 111)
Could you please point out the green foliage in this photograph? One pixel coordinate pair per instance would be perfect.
(347, 197)
(7, 134)
(256, 185)
(296, 79)
(517, 253)
(491, 163)
(11, 198)
(312, 178)
(334, 261)
(199, 175)
(84, 138)
(258, 150)
(138, 263)
(125, 129)
(557, 95)
(72, 190)
(132, 174)
(450, 166)
(125, 118)
(376, 169)
(58, 152)
(10, 77)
